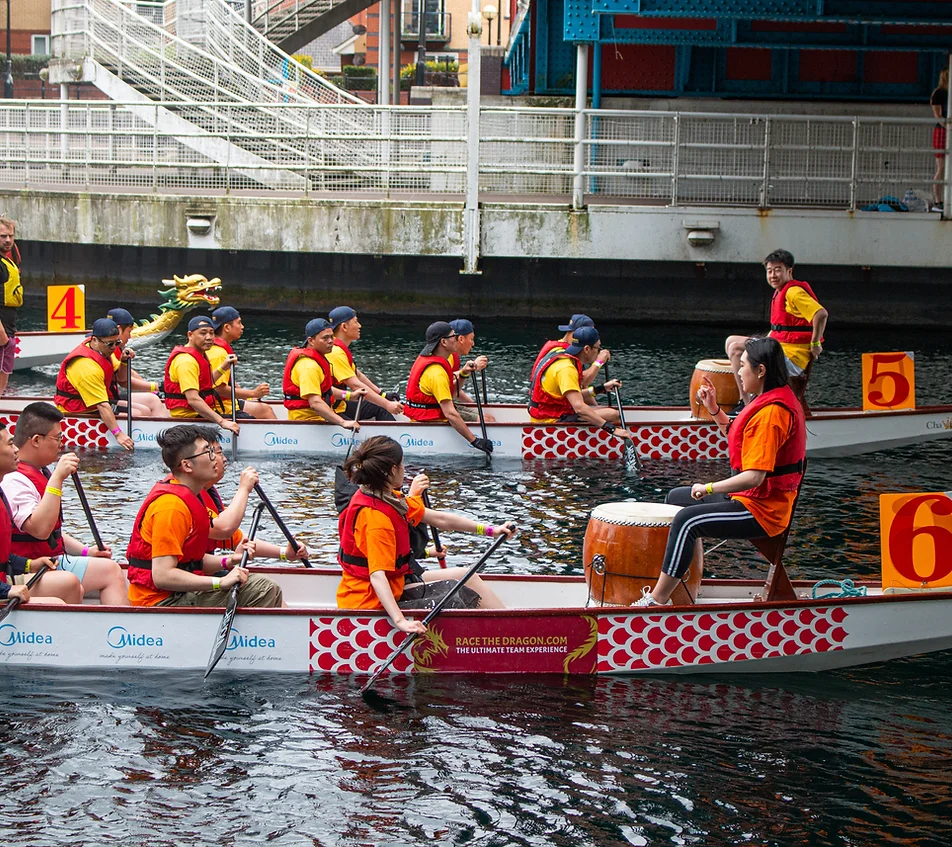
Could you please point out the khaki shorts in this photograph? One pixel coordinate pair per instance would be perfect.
(467, 413)
(257, 591)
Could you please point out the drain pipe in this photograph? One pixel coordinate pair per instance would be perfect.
(581, 92)
(471, 209)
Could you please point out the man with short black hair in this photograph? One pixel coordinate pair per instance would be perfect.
(12, 298)
(465, 340)
(228, 329)
(578, 321)
(144, 393)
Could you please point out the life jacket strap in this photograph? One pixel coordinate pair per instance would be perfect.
(785, 328)
(146, 564)
(782, 470)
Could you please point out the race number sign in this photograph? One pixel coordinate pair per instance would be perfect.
(66, 308)
(916, 538)
(889, 381)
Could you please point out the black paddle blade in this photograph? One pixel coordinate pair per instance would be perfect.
(224, 630)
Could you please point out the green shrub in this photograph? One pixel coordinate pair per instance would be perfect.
(305, 60)
(362, 78)
(26, 66)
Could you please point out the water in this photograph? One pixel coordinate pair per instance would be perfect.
(851, 758)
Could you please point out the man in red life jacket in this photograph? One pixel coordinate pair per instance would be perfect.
(169, 562)
(432, 384)
(12, 298)
(88, 380)
(577, 322)
(228, 329)
(556, 394)
(797, 321)
(465, 340)
(144, 393)
(35, 495)
(190, 378)
(309, 392)
(54, 586)
(376, 406)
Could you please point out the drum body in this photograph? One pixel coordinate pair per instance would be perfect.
(720, 373)
(624, 550)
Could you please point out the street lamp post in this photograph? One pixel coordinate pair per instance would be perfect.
(421, 45)
(8, 79)
(489, 13)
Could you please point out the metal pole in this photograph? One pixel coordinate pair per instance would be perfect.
(248, 13)
(947, 188)
(397, 47)
(581, 91)
(471, 210)
(8, 80)
(383, 55)
(421, 45)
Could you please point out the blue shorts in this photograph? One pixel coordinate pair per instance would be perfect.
(74, 564)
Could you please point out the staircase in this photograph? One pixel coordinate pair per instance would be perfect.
(292, 24)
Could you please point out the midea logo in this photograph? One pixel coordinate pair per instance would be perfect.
(119, 637)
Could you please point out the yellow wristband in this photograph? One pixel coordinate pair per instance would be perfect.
(283, 556)
(26, 567)
(153, 387)
(216, 584)
(816, 343)
(56, 492)
(480, 529)
(709, 488)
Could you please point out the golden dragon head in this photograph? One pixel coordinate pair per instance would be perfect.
(190, 292)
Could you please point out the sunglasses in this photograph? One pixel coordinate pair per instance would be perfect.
(112, 345)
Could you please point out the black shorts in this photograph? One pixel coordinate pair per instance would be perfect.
(425, 595)
(571, 417)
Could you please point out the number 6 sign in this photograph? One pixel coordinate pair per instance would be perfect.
(916, 538)
(889, 381)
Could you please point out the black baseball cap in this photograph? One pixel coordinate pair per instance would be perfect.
(105, 328)
(316, 327)
(435, 333)
(199, 321)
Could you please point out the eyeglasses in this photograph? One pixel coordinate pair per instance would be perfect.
(208, 451)
(448, 337)
(112, 345)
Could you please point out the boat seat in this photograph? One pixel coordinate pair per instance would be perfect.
(778, 585)
(799, 386)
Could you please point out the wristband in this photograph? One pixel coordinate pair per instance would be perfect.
(431, 551)
(598, 364)
(26, 567)
(709, 488)
(347, 395)
(283, 556)
(609, 428)
(599, 389)
(56, 492)
(816, 343)
(489, 531)
(116, 431)
(84, 552)
(480, 529)
(715, 414)
(224, 561)
(216, 584)
(154, 387)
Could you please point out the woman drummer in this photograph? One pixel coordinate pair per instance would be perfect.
(767, 446)
(375, 552)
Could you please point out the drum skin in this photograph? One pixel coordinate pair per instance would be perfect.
(631, 537)
(720, 373)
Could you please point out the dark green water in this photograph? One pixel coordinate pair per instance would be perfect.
(858, 758)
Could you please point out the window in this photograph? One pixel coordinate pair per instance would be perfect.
(40, 45)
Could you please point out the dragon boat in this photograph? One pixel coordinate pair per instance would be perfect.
(181, 296)
(661, 433)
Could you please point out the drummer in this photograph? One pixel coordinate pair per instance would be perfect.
(465, 341)
(375, 542)
(228, 329)
(576, 322)
(556, 394)
(767, 447)
(144, 393)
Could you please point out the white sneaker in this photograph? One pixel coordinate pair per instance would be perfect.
(647, 599)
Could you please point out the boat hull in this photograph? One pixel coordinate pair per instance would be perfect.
(729, 631)
(35, 349)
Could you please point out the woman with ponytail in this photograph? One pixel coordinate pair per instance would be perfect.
(375, 552)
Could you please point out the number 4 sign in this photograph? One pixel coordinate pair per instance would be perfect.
(65, 308)
(889, 381)
(916, 538)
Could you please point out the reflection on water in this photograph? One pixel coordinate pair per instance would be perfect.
(841, 759)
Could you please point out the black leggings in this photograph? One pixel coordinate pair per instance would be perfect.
(368, 412)
(715, 516)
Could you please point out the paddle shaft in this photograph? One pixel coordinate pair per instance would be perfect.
(88, 512)
(479, 408)
(231, 605)
(433, 530)
(408, 641)
(482, 377)
(281, 524)
(360, 402)
(630, 449)
(129, 397)
(234, 412)
(15, 601)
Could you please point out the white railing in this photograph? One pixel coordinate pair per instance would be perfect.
(280, 18)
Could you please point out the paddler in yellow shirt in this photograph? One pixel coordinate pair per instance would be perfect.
(228, 329)
(144, 393)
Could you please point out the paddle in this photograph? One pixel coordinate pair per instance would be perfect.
(632, 460)
(129, 398)
(281, 524)
(433, 613)
(482, 376)
(224, 629)
(234, 413)
(89, 515)
(479, 410)
(360, 402)
(433, 530)
(15, 601)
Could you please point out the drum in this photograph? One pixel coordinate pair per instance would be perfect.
(720, 373)
(624, 550)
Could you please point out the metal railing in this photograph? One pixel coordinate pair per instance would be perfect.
(438, 26)
(658, 158)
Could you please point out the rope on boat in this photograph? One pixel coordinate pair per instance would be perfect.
(846, 586)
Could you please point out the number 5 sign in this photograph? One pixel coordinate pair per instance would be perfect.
(65, 308)
(889, 381)
(916, 538)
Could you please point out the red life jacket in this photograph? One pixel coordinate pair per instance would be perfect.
(68, 397)
(6, 531)
(220, 342)
(423, 407)
(349, 556)
(787, 328)
(541, 403)
(788, 469)
(350, 359)
(174, 397)
(292, 391)
(549, 345)
(139, 553)
(24, 544)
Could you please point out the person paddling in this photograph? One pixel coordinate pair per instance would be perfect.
(465, 341)
(309, 393)
(169, 562)
(228, 329)
(376, 407)
(375, 552)
(144, 393)
(576, 322)
(432, 384)
(88, 380)
(190, 377)
(35, 496)
(767, 448)
(556, 394)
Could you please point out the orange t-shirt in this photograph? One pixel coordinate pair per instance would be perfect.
(764, 435)
(375, 539)
(166, 525)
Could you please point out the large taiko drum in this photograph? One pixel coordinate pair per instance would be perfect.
(624, 550)
(720, 373)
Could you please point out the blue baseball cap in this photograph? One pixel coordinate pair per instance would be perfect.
(587, 336)
(223, 315)
(200, 321)
(105, 328)
(123, 317)
(316, 327)
(340, 315)
(577, 322)
(463, 326)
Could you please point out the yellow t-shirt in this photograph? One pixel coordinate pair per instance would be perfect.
(88, 379)
(341, 370)
(184, 370)
(216, 356)
(308, 376)
(435, 382)
(801, 304)
(559, 378)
